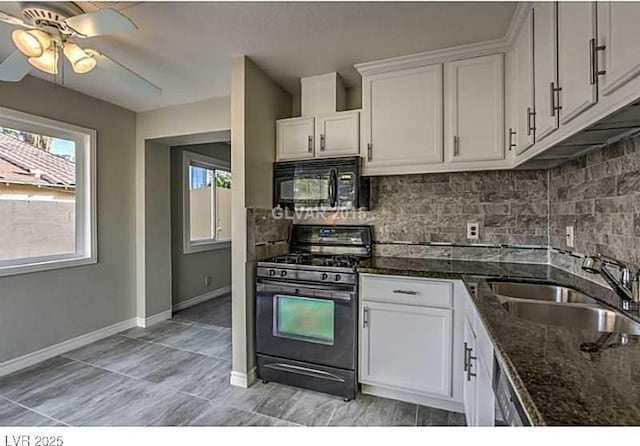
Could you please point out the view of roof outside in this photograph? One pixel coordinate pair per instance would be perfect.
(37, 191)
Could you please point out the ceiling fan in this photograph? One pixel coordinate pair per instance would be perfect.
(51, 29)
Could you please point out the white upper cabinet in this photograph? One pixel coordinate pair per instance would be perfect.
(295, 138)
(545, 68)
(619, 34)
(403, 118)
(577, 52)
(474, 105)
(524, 87)
(338, 134)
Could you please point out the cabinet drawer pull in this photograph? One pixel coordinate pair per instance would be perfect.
(310, 143)
(456, 145)
(369, 152)
(322, 143)
(409, 292)
(365, 317)
(467, 361)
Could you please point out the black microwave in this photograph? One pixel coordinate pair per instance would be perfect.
(320, 184)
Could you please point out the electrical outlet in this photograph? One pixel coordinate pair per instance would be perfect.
(473, 231)
(569, 235)
(207, 281)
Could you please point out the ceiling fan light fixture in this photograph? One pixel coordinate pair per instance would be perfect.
(48, 62)
(81, 62)
(31, 43)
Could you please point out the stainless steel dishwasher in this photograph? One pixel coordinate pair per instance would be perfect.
(509, 409)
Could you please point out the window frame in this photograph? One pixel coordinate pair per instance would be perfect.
(85, 193)
(208, 162)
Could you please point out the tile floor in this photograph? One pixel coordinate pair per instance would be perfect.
(176, 373)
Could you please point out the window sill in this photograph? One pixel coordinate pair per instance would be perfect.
(206, 246)
(45, 265)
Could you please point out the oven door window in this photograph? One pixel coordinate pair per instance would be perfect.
(304, 318)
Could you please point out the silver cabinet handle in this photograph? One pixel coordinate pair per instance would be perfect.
(369, 152)
(531, 128)
(512, 133)
(409, 292)
(593, 54)
(555, 98)
(456, 145)
(310, 143)
(365, 317)
(468, 358)
(322, 143)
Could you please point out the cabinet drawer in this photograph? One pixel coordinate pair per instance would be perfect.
(402, 290)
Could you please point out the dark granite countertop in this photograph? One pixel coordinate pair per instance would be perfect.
(558, 383)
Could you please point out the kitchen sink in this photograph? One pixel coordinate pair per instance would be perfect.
(587, 317)
(540, 291)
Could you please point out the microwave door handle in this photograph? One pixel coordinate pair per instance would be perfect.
(334, 188)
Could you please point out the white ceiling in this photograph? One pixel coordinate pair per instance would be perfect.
(185, 47)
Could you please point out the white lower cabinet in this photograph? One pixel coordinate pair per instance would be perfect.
(408, 330)
(406, 347)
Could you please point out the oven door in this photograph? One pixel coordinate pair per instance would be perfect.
(312, 322)
(306, 190)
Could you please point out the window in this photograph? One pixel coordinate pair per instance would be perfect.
(207, 203)
(47, 194)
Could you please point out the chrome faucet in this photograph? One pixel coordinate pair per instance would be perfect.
(623, 285)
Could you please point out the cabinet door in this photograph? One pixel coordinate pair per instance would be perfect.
(338, 134)
(484, 398)
(618, 32)
(576, 40)
(295, 138)
(402, 117)
(545, 68)
(474, 122)
(469, 386)
(524, 104)
(406, 347)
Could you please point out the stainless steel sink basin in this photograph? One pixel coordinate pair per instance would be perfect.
(587, 317)
(541, 292)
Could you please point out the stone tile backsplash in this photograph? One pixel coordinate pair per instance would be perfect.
(510, 207)
(599, 195)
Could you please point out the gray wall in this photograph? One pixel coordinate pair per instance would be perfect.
(189, 270)
(158, 233)
(599, 194)
(41, 309)
(256, 103)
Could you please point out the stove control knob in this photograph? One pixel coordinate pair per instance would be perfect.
(272, 272)
(283, 273)
(337, 278)
(324, 276)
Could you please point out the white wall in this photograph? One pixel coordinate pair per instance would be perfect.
(40, 309)
(211, 115)
(256, 103)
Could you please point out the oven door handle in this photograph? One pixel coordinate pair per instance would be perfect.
(272, 286)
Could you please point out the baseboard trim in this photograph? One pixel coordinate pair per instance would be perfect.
(452, 406)
(201, 298)
(152, 320)
(21, 362)
(244, 380)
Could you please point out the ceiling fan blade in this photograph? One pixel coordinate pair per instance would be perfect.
(103, 21)
(12, 20)
(136, 81)
(14, 67)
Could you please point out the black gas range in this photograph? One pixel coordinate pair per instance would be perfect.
(307, 309)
